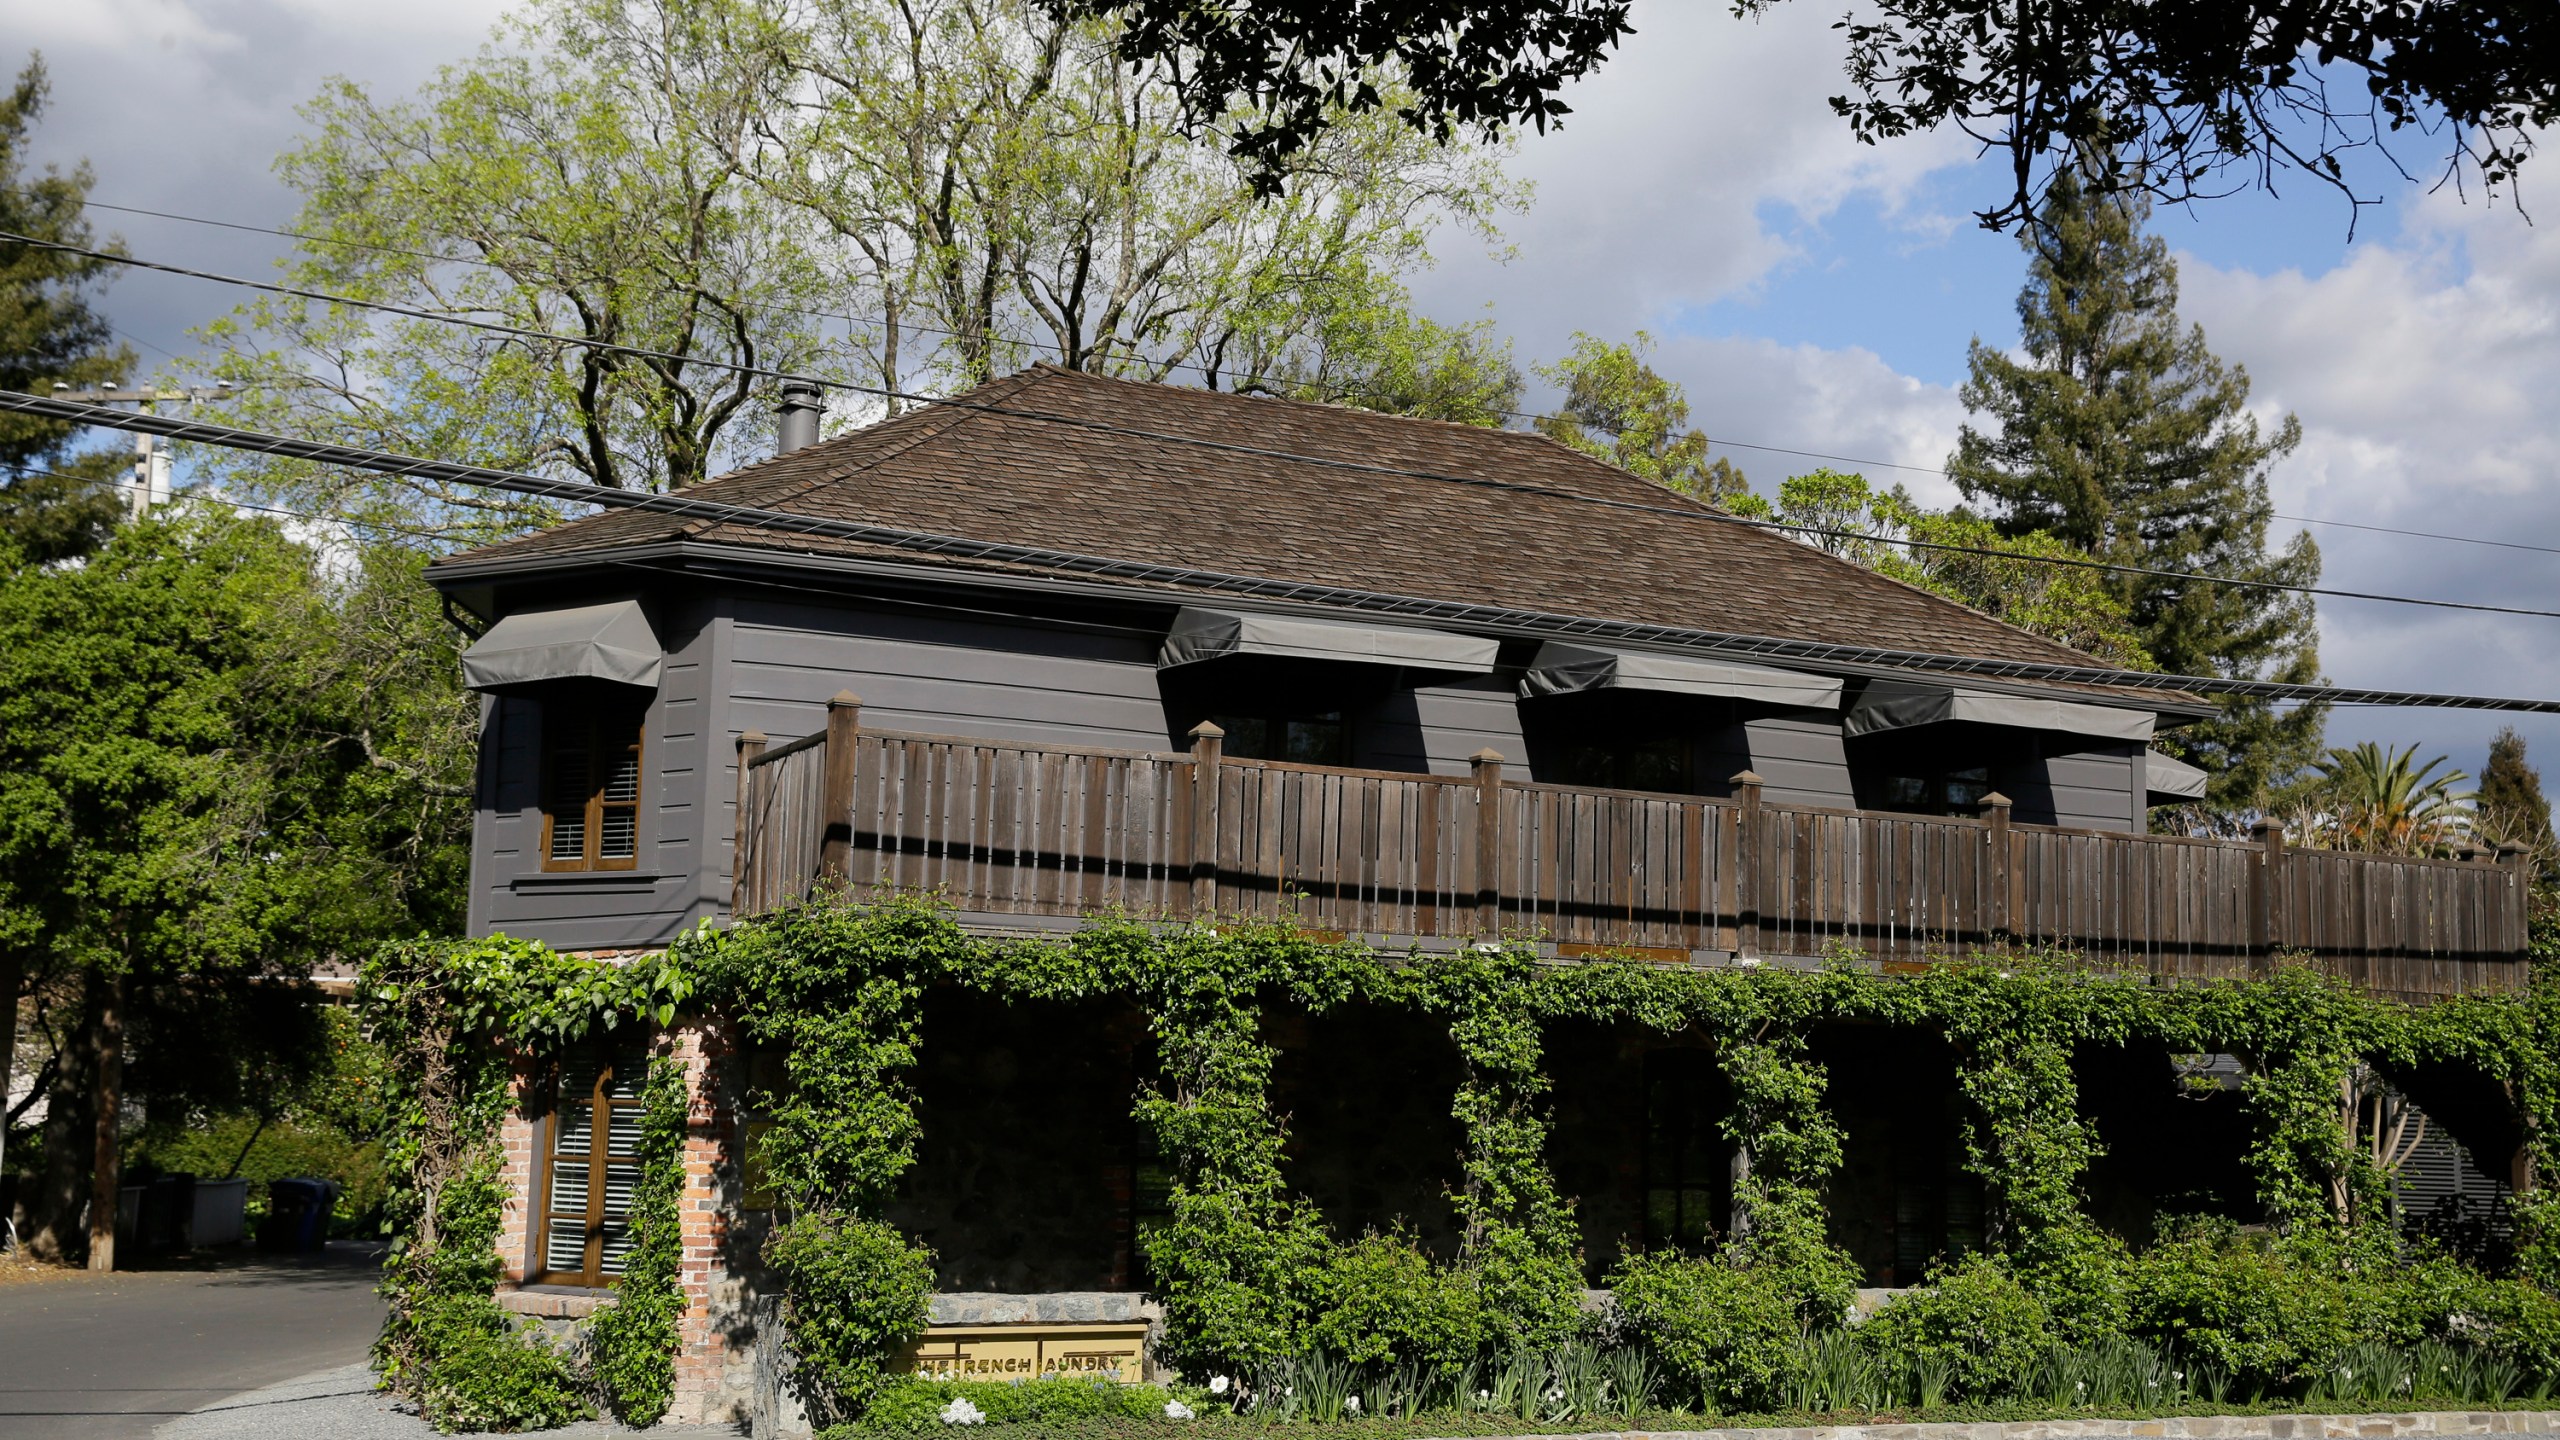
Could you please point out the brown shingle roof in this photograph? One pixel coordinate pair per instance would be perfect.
(1001, 467)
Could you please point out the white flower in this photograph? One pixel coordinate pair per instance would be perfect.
(1484, 1394)
(961, 1412)
(2177, 1374)
(1218, 1384)
(1352, 1404)
(1555, 1394)
(1176, 1410)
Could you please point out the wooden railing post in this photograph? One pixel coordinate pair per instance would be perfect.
(1746, 867)
(835, 842)
(742, 835)
(1208, 748)
(1487, 764)
(2266, 895)
(1999, 916)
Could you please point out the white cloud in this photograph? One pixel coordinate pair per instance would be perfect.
(1654, 196)
(2423, 371)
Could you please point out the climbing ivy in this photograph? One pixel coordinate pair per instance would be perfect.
(632, 1343)
(456, 1020)
(1246, 1268)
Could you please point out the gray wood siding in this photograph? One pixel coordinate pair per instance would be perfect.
(1434, 728)
(616, 909)
(2099, 788)
(1799, 759)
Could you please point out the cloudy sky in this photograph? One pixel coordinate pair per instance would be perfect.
(1812, 294)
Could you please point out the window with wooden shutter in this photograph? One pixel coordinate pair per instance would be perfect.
(591, 787)
(591, 1164)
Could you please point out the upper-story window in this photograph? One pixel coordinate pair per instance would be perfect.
(1323, 738)
(591, 787)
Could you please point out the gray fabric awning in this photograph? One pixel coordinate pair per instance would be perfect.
(1563, 669)
(1211, 634)
(2169, 778)
(612, 641)
(1900, 704)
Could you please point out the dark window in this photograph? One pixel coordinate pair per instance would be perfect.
(1661, 762)
(1686, 1170)
(1934, 790)
(1323, 739)
(591, 1164)
(591, 787)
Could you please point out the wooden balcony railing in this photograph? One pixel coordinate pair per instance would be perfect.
(1003, 829)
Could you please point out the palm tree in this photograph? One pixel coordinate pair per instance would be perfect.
(2383, 802)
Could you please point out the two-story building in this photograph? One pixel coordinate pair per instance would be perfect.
(1068, 643)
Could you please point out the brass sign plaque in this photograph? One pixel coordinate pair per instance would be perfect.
(1029, 1352)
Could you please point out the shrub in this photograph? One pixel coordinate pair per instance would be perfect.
(2080, 1274)
(483, 1374)
(2519, 1321)
(857, 1290)
(913, 1403)
(2414, 1299)
(1975, 1324)
(1383, 1301)
(2238, 1303)
(1726, 1332)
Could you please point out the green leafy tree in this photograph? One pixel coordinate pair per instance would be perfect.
(1378, 355)
(2118, 433)
(998, 188)
(1618, 408)
(56, 500)
(563, 182)
(191, 809)
(2011, 578)
(2510, 806)
(2384, 802)
(2194, 90)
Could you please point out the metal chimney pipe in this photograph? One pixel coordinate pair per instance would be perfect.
(802, 405)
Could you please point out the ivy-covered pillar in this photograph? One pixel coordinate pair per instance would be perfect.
(1519, 1235)
(2302, 1036)
(1236, 1255)
(1786, 1143)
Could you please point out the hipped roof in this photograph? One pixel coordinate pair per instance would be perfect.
(1045, 458)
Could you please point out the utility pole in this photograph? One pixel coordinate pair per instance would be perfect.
(148, 485)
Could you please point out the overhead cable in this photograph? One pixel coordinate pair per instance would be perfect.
(1532, 416)
(1186, 578)
(1693, 512)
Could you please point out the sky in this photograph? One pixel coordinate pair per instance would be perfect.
(1811, 294)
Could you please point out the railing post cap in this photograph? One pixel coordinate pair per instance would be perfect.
(1746, 777)
(1486, 756)
(751, 737)
(844, 698)
(1996, 801)
(1207, 730)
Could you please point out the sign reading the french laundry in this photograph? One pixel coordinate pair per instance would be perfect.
(1029, 1352)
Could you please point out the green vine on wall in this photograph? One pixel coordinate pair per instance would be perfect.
(456, 1019)
(1244, 1265)
(632, 1343)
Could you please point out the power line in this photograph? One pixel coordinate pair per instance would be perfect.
(1186, 578)
(1533, 417)
(1690, 512)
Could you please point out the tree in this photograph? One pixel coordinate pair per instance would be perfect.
(1004, 189)
(562, 183)
(2511, 808)
(2385, 803)
(56, 500)
(2011, 578)
(201, 792)
(1382, 357)
(1619, 409)
(2120, 434)
(2189, 91)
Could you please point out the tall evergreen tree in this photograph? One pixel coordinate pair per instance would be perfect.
(2510, 804)
(2122, 435)
(55, 501)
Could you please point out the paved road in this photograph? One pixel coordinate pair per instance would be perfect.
(115, 1355)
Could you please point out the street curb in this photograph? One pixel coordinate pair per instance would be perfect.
(2192, 1427)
